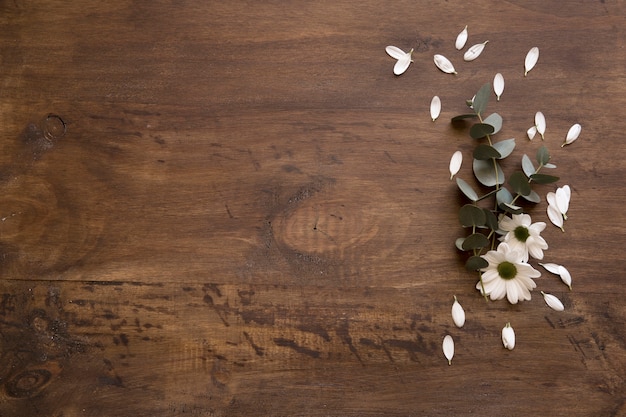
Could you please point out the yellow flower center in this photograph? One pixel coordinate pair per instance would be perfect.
(507, 270)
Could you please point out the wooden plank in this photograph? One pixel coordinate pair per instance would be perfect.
(249, 214)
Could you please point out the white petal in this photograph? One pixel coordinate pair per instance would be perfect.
(448, 348)
(540, 123)
(458, 314)
(551, 198)
(461, 39)
(401, 65)
(531, 59)
(572, 134)
(444, 64)
(553, 268)
(562, 199)
(474, 51)
(455, 163)
(395, 52)
(498, 85)
(508, 337)
(435, 107)
(553, 302)
(555, 216)
(531, 132)
(565, 276)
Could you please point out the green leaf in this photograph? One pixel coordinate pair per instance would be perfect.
(470, 215)
(462, 117)
(476, 263)
(467, 189)
(543, 156)
(549, 166)
(459, 243)
(482, 99)
(491, 220)
(543, 178)
(485, 172)
(503, 196)
(505, 147)
(527, 166)
(480, 130)
(475, 241)
(494, 120)
(533, 197)
(510, 208)
(484, 152)
(519, 183)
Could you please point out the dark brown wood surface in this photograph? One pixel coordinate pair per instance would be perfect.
(249, 214)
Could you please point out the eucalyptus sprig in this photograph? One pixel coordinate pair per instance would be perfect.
(482, 220)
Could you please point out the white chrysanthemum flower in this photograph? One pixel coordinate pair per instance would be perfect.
(507, 275)
(524, 236)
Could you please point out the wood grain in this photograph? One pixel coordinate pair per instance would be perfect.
(249, 214)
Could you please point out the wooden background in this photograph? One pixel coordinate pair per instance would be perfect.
(250, 214)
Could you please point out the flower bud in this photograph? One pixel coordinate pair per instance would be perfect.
(508, 337)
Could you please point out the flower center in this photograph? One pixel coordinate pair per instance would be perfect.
(507, 270)
(521, 233)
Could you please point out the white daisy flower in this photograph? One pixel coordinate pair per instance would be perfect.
(524, 236)
(507, 275)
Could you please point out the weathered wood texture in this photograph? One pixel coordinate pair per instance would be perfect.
(249, 214)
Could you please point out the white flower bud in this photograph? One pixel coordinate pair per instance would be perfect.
(458, 314)
(553, 302)
(508, 337)
(448, 348)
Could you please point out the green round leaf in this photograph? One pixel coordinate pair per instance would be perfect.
(470, 215)
(462, 117)
(503, 196)
(482, 98)
(491, 220)
(475, 241)
(494, 120)
(533, 197)
(476, 263)
(480, 130)
(543, 156)
(505, 147)
(527, 166)
(519, 183)
(467, 189)
(485, 172)
(459, 243)
(484, 152)
(543, 178)
(510, 208)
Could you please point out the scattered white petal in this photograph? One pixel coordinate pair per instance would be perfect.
(563, 195)
(404, 59)
(553, 302)
(555, 216)
(444, 64)
(531, 132)
(455, 163)
(553, 268)
(498, 85)
(461, 39)
(448, 348)
(531, 59)
(572, 134)
(435, 107)
(551, 198)
(508, 337)
(474, 51)
(565, 276)
(458, 314)
(540, 123)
